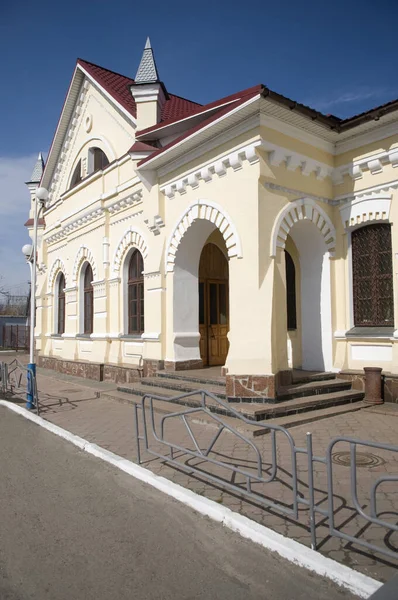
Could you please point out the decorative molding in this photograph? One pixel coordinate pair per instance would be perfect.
(83, 254)
(81, 221)
(293, 192)
(133, 198)
(152, 274)
(374, 163)
(157, 224)
(300, 210)
(56, 267)
(233, 160)
(131, 238)
(99, 288)
(126, 218)
(278, 156)
(59, 170)
(151, 336)
(209, 211)
(365, 210)
(369, 192)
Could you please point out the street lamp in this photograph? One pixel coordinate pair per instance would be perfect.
(30, 252)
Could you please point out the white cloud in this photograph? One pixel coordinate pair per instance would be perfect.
(14, 212)
(358, 96)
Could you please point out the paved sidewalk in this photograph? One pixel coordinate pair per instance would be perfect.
(73, 404)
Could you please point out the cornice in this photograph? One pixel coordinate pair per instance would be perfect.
(233, 160)
(298, 193)
(126, 217)
(81, 221)
(278, 155)
(374, 163)
(132, 199)
(369, 192)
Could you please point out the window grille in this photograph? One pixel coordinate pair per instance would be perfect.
(372, 276)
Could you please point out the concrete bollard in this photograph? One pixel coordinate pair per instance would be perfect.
(373, 385)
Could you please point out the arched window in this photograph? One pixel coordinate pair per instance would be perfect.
(77, 175)
(135, 286)
(372, 276)
(290, 292)
(61, 304)
(88, 309)
(99, 160)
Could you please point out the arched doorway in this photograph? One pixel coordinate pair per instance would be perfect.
(312, 296)
(213, 305)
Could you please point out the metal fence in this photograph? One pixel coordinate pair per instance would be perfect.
(16, 378)
(147, 431)
(16, 337)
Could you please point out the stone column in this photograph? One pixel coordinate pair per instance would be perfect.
(373, 385)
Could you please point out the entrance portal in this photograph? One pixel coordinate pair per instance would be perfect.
(213, 306)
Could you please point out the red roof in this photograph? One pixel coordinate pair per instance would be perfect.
(225, 105)
(40, 222)
(118, 86)
(141, 147)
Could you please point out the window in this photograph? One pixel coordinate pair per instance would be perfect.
(88, 308)
(61, 305)
(135, 286)
(77, 175)
(372, 276)
(290, 292)
(99, 159)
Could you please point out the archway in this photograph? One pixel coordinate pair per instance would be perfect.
(191, 343)
(314, 322)
(213, 304)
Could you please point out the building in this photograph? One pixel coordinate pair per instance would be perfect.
(253, 233)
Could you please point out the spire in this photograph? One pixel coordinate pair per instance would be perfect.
(38, 170)
(147, 71)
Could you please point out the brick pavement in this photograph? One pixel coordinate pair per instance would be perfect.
(74, 405)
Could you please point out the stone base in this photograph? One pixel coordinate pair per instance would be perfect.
(121, 374)
(81, 368)
(389, 387)
(247, 387)
(183, 365)
(151, 367)
(100, 371)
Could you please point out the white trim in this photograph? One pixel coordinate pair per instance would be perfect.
(296, 133)
(83, 254)
(363, 139)
(107, 95)
(209, 211)
(132, 238)
(58, 265)
(293, 551)
(359, 212)
(302, 209)
(206, 172)
(278, 155)
(374, 163)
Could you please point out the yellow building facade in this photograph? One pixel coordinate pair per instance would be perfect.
(253, 233)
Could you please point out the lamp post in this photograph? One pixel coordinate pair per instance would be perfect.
(30, 252)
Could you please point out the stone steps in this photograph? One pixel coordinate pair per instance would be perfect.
(312, 388)
(252, 429)
(252, 411)
(193, 377)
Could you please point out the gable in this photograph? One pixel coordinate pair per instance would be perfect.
(95, 121)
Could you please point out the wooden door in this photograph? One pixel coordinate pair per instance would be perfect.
(213, 306)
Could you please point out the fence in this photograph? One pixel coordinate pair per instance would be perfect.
(147, 430)
(16, 337)
(16, 378)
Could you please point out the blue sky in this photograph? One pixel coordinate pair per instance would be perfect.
(338, 57)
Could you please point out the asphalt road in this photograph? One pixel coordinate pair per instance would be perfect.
(74, 528)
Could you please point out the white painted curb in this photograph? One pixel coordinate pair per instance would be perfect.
(359, 584)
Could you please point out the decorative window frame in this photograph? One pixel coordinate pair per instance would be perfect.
(356, 213)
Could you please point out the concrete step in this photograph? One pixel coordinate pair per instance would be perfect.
(180, 385)
(300, 376)
(197, 376)
(312, 388)
(303, 418)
